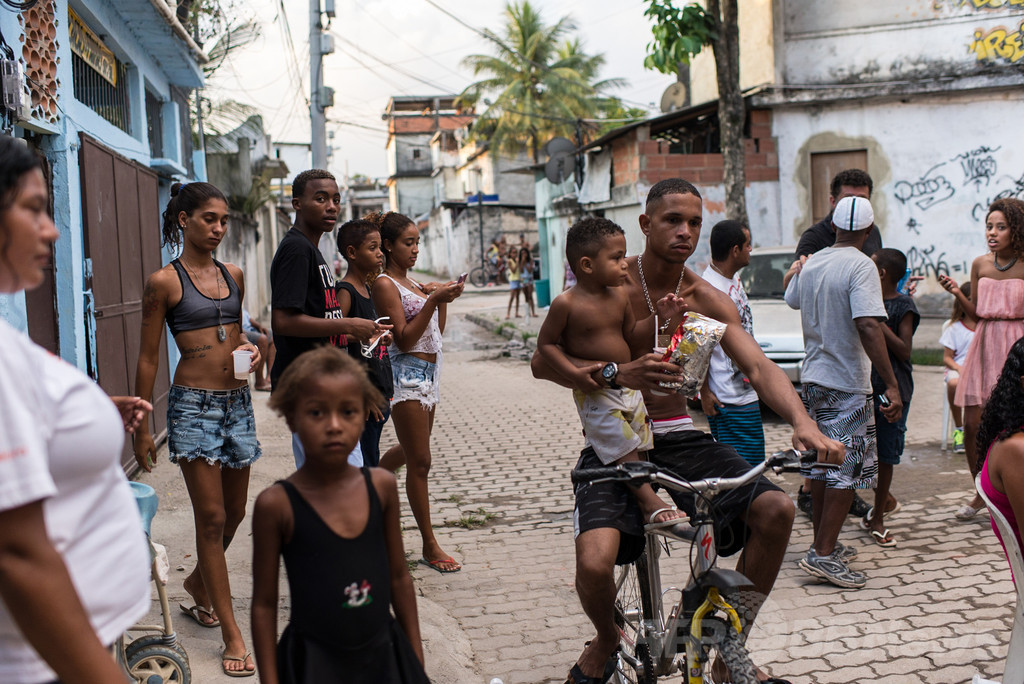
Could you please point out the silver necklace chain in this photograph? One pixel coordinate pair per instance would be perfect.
(647, 296)
(1007, 267)
(222, 334)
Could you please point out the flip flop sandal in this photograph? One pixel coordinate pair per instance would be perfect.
(675, 528)
(966, 512)
(436, 565)
(576, 675)
(883, 539)
(195, 611)
(235, 659)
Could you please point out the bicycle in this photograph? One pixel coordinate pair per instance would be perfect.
(483, 275)
(710, 615)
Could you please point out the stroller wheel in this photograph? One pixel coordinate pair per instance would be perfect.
(136, 645)
(158, 664)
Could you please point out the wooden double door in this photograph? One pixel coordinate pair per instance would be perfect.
(121, 224)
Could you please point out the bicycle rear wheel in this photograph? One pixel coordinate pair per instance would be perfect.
(478, 277)
(632, 607)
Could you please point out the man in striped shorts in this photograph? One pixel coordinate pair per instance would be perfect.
(728, 399)
(839, 296)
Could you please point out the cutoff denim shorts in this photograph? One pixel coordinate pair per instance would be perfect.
(217, 426)
(416, 379)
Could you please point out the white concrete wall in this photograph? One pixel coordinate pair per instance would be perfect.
(885, 40)
(936, 164)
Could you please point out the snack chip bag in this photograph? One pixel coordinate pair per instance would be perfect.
(690, 348)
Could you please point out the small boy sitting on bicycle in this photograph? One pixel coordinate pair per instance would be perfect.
(593, 322)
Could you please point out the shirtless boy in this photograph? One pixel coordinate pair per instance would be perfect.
(593, 320)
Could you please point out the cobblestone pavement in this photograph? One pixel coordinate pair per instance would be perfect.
(937, 608)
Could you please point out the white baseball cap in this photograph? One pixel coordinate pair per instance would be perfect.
(853, 213)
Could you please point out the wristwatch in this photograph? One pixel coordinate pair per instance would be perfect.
(609, 373)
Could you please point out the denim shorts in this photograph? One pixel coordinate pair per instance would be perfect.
(217, 426)
(890, 436)
(416, 379)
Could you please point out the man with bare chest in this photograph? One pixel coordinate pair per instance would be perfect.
(757, 518)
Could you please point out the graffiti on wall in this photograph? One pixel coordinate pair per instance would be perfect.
(926, 191)
(999, 43)
(970, 178)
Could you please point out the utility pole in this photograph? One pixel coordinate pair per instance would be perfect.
(320, 96)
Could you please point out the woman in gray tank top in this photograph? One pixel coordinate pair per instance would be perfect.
(211, 430)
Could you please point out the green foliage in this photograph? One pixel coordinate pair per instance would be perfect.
(539, 83)
(472, 520)
(679, 34)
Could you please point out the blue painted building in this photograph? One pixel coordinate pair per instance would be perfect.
(108, 85)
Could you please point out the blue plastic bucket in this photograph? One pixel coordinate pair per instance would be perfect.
(147, 500)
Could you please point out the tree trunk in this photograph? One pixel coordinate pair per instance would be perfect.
(731, 109)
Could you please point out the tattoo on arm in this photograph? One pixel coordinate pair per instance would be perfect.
(150, 301)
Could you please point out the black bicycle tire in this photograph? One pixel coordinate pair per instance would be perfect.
(635, 589)
(734, 655)
(478, 277)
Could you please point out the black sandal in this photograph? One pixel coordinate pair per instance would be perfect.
(576, 675)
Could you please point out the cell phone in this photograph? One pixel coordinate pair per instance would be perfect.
(462, 278)
(883, 400)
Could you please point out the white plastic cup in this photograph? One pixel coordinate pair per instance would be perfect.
(242, 359)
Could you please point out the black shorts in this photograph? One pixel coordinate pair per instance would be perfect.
(689, 454)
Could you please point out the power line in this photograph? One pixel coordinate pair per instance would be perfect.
(404, 72)
(358, 125)
(414, 48)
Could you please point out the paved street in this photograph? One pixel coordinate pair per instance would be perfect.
(937, 609)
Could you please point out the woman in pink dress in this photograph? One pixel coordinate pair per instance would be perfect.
(997, 300)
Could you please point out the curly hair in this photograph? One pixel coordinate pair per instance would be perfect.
(317, 363)
(586, 238)
(851, 178)
(1004, 411)
(353, 233)
(1013, 211)
(185, 197)
(300, 181)
(391, 225)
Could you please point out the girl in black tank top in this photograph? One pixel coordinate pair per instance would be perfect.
(337, 528)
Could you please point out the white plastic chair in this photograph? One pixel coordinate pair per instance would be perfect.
(1013, 672)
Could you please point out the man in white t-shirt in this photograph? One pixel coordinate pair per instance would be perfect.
(728, 400)
(839, 295)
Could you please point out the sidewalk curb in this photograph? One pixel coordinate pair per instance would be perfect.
(507, 329)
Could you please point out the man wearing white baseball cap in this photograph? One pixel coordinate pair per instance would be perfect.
(839, 296)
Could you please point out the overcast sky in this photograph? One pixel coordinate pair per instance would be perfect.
(424, 48)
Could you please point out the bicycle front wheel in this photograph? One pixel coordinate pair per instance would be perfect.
(633, 606)
(729, 647)
(478, 277)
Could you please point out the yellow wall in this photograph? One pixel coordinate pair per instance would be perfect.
(757, 57)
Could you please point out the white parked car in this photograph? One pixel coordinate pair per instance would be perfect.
(777, 327)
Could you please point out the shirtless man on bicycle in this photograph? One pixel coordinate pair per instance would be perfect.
(757, 518)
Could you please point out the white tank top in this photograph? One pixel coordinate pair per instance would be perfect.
(412, 303)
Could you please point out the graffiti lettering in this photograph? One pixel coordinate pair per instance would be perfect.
(921, 262)
(987, 4)
(912, 226)
(1015, 190)
(927, 191)
(979, 166)
(999, 43)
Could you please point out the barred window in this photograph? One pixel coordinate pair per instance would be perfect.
(96, 92)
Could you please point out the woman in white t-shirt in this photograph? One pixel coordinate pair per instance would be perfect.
(74, 565)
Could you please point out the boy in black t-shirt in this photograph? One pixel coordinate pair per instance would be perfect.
(304, 306)
(899, 337)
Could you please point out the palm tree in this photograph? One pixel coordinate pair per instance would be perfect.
(541, 81)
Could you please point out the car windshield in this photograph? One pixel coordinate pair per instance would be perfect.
(762, 278)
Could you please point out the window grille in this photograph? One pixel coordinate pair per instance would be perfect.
(95, 92)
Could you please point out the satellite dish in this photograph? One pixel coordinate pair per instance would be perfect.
(559, 146)
(674, 97)
(559, 168)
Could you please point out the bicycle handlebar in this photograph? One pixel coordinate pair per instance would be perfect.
(639, 472)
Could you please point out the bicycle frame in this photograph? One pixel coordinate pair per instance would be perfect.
(701, 600)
